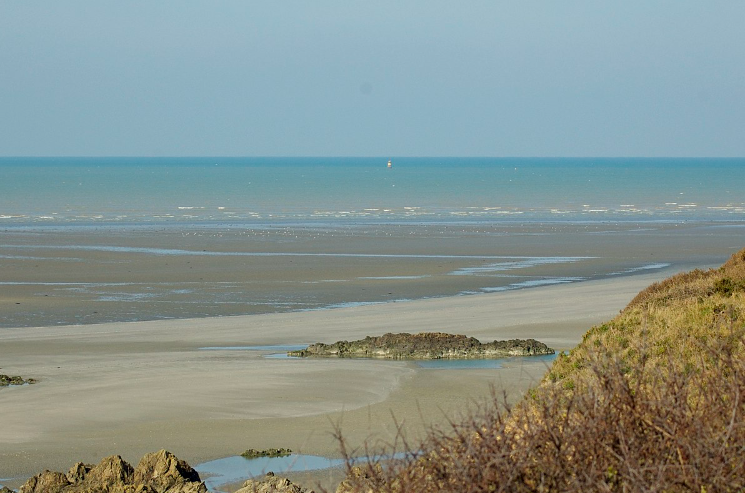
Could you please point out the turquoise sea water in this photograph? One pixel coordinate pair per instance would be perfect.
(220, 190)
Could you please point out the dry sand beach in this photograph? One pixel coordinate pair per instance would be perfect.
(129, 388)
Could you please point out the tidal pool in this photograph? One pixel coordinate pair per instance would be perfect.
(221, 472)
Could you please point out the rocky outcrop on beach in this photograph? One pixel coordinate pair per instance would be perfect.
(425, 345)
(6, 380)
(158, 472)
(271, 484)
(270, 452)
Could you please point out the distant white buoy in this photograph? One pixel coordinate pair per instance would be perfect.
(390, 164)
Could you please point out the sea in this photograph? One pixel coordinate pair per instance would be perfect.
(61, 191)
(90, 240)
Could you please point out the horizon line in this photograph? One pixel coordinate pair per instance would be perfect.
(382, 156)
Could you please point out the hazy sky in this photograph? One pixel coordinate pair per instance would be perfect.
(377, 77)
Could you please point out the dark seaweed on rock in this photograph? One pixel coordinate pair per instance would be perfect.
(270, 452)
(7, 380)
(425, 345)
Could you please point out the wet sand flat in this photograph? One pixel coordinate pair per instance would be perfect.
(130, 388)
(82, 275)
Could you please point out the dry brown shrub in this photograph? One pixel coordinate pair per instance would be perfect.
(651, 401)
(648, 430)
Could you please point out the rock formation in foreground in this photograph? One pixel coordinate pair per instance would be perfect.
(158, 472)
(271, 484)
(425, 345)
(6, 380)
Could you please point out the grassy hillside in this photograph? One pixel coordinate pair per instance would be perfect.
(653, 400)
(669, 323)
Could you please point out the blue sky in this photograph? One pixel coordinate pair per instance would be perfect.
(374, 78)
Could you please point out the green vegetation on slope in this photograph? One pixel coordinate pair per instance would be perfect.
(671, 323)
(653, 400)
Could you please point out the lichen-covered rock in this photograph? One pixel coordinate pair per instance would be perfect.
(5, 489)
(159, 472)
(425, 345)
(271, 484)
